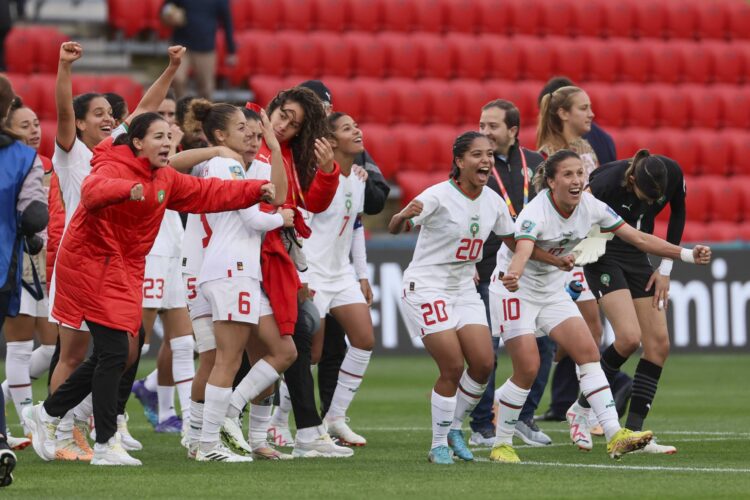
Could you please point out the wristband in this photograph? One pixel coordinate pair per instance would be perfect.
(686, 255)
(665, 268)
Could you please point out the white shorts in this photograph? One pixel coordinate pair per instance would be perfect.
(577, 274)
(233, 299)
(32, 307)
(162, 283)
(83, 327)
(513, 315)
(432, 311)
(196, 302)
(265, 304)
(330, 295)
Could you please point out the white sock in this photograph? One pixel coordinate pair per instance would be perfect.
(196, 422)
(183, 369)
(281, 415)
(309, 434)
(6, 391)
(151, 381)
(468, 395)
(214, 412)
(17, 361)
(350, 377)
(596, 389)
(84, 409)
(510, 399)
(40, 360)
(144, 349)
(258, 379)
(260, 416)
(65, 427)
(165, 395)
(442, 416)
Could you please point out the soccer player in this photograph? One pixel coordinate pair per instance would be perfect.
(440, 301)
(527, 297)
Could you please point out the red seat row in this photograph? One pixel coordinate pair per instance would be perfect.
(33, 49)
(132, 17)
(709, 232)
(711, 198)
(426, 55)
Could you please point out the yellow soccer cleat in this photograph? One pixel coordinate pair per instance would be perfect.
(504, 453)
(626, 441)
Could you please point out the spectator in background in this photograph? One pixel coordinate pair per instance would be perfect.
(6, 23)
(195, 23)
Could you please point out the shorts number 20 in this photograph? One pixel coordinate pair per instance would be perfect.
(434, 313)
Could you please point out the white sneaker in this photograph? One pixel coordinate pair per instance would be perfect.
(321, 447)
(580, 434)
(280, 436)
(485, 438)
(129, 443)
(657, 449)
(192, 450)
(338, 427)
(42, 431)
(264, 451)
(220, 453)
(17, 443)
(112, 453)
(231, 436)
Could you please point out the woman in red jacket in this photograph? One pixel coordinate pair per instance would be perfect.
(100, 265)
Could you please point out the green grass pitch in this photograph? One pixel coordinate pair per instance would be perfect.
(702, 408)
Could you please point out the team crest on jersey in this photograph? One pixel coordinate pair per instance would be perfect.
(527, 226)
(161, 195)
(605, 279)
(348, 202)
(236, 172)
(474, 228)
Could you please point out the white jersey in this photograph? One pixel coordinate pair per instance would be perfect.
(168, 241)
(454, 229)
(71, 168)
(543, 222)
(328, 247)
(231, 246)
(191, 257)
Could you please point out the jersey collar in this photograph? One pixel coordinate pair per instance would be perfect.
(460, 190)
(559, 210)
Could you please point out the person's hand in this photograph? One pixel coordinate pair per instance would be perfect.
(702, 254)
(304, 293)
(567, 263)
(360, 172)
(288, 215)
(268, 134)
(364, 285)
(231, 60)
(225, 152)
(413, 209)
(70, 52)
(510, 281)
(324, 154)
(136, 193)
(175, 55)
(268, 192)
(177, 134)
(661, 290)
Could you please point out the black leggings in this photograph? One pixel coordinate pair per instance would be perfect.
(100, 375)
(298, 378)
(334, 351)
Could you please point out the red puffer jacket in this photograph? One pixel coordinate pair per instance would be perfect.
(102, 256)
(56, 224)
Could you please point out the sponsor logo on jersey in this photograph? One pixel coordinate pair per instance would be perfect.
(237, 172)
(527, 226)
(605, 279)
(161, 195)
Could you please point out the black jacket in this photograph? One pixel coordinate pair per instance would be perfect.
(376, 189)
(511, 173)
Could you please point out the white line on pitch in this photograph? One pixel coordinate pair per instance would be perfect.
(632, 467)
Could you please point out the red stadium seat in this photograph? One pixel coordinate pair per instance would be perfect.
(715, 152)
(607, 105)
(619, 19)
(682, 147)
(436, 54)
(128, 17)
(681, 19)
(47, 51)
(369, 54)
(403, 55)
(650, 18)
(673, 106)
(83, 84)
(385, 148)
(336, 55)
(442, 144)
(538, 58)
(699, 63)
(265, 15)
(443, 101)
(668, 61)
(743, 231)
(418, 153)
(19, 51)
(271, 58)
(705, 107)
(503, 57)
(429, 16)
(242, 15)
(366, 15)
(727, 198)
(298, 14)
(729, 61)
(640, 105)
(413, 183)
(527, 137)
(474, 95)
(523, 96)
(740, 141)
(47, 144)
(398, 15)
(378, 102)
(694, 232)
(635, 60)
(698, 200)
(412, 105)
(736, 105)
(739, 20)
(471, 58)
(525, 16)
(712, 19)
(742, 182)
(24, 89)
(43, 86)
(461, 16)
(494, 16)
(627, 142)
(265, 88)
(347, 96)
(604, 60)
(721, 231)
(303, 53)
(245, 55)
(646, 139)
(588, 18)
(571, 57)
(125, 86)
(331, 15)
(557, 18)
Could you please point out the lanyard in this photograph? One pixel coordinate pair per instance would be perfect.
(296, 183)
(504, 192)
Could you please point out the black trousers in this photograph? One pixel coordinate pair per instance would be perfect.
(298, 378)
(4, 303)
(334, 351)
(100, 375)
(128, 378)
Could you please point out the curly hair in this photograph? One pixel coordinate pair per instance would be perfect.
(314, 126)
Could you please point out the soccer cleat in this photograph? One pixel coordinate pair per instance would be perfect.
(627, 441)
(458, 445)
(483, 437)
(231, 436)
(504, 453)
(440, 455)
(323, 447)
(220, 453)
(69, 451)
(280, 436)
(149, 400)
(580, 434)
(192, 450)
(172, 425)
(42, 432)
(657, 449)
(80, 430)
(17, 443)
(530, 433)
(7, 464)
(339, 429)
(265, 452)
(129, 443)
(112, 453)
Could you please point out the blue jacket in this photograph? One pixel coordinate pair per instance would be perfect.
(603, 145)
(202, 21)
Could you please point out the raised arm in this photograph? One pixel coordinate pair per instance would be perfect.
(400, 222)
(649, 243)
(185, 160)
(158, 90)
(66, 119)
(278, 172)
